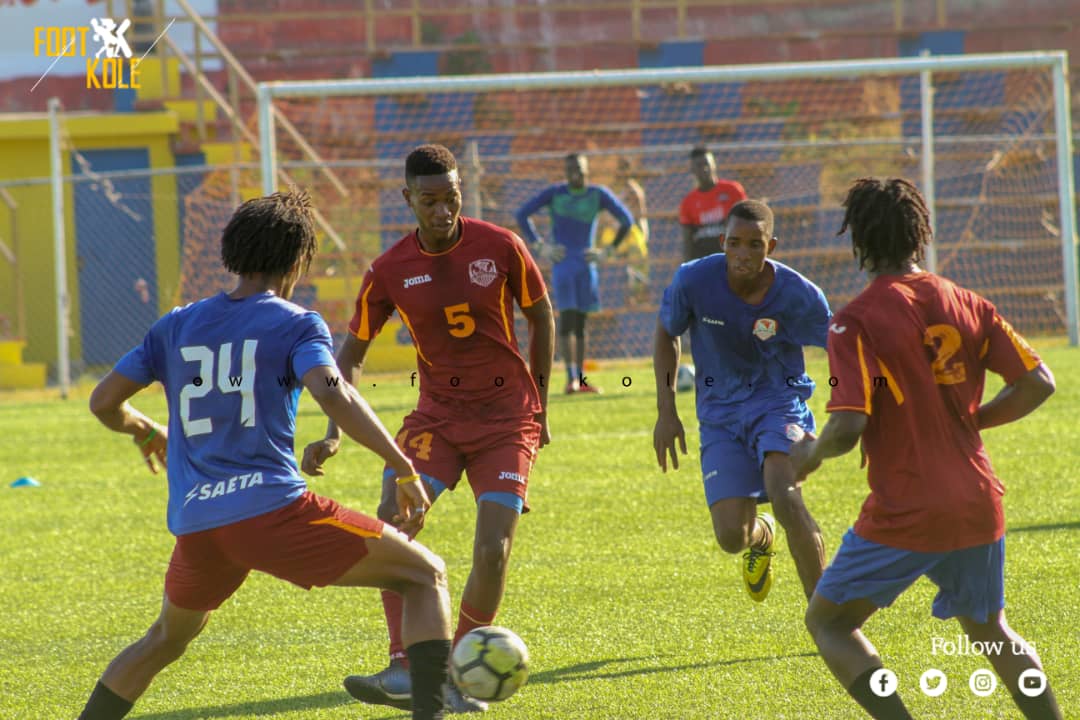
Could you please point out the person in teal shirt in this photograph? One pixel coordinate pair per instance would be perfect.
(574, 207)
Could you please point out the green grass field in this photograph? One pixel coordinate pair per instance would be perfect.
(629, 608)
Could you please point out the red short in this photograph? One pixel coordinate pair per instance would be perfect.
(311, 541)
(496, 457)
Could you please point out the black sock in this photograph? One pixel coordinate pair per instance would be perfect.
(1040, 707)
(880, 708)
(104, 704)
(427, 669)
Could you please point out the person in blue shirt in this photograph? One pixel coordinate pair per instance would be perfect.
(232, 366)
(749, 318)
(574, 207)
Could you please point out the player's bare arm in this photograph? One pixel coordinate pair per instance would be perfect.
(352, 414)
(109, 402)
(668, 425)
(350, 363)
(688, 241)
(1017, 400)
(541, 355)
(841, 434)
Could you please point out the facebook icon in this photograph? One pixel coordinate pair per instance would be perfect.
(883, 682)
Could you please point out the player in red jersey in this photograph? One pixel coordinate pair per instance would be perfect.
(454, 282)
(910, 355)
(703, 211)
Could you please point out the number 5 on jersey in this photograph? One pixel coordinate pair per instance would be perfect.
(461, 322)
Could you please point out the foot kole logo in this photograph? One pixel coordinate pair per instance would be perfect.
(112, 66)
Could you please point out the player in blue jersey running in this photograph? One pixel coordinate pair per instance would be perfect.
(574, 206)
(232, 366)
(749, 318)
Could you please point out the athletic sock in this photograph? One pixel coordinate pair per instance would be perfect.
(1040, 707)
(571, 373)
(392, 606)
(104, 704)
(766, 536)
(881, 708)
(427, 669)
(470, 618)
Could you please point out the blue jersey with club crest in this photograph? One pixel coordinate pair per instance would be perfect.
(744, 353)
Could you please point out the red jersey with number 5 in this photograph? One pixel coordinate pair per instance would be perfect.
(912, 352)
(458, 306)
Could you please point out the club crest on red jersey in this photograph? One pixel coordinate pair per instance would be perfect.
(483, 272)
(764, 328)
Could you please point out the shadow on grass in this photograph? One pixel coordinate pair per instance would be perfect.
(258, 708)
(588, 671)
(1049, 526)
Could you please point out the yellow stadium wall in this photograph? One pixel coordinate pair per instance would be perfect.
(24, 147)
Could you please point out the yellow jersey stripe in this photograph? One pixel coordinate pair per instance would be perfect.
(364, 331)
(416, 343)
(502, 311)
(865, 373)
(334, 522)
(1027, 355)
(894, 387)
(526, 299)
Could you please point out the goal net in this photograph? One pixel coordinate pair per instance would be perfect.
(796, 135)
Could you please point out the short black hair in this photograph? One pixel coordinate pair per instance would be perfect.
(889, 221)
(755, 211)
(700, 151)
(429, 160)
(270, 234)
(574, 156)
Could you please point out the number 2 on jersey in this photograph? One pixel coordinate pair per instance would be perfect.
(461, 322)
(203, 383)
(945, 341)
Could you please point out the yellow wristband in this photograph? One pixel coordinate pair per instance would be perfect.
(153, 432)
(404, 479)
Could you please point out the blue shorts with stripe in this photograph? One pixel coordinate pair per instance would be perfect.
(733, 453)
(971, 582)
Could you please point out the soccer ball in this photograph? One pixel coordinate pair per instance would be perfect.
(684, 378)
(490, 663)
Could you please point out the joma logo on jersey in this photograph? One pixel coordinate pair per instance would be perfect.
(516, 477)
(417, 280)
(209, 491)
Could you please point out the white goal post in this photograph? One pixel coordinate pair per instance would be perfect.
(1051, 131)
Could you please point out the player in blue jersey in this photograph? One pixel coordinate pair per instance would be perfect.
(232, 366)
(574, 206)
(749, 318)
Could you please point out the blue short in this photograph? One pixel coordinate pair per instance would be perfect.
(732, 455)
(576, 286)
(971, 582)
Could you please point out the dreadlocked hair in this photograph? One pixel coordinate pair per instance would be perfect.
(270, 234)
(889, 221)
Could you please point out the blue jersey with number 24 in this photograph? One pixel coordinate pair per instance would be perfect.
(230, 370)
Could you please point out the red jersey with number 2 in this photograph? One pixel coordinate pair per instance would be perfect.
(912, 352)
(459, 307)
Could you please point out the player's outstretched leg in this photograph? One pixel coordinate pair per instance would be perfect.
(132, 671)
(1017, 658)
(419, 577)
(739, 529)
(804, 538)
(853, 660)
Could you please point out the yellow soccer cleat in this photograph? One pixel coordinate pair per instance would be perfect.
(757, 563)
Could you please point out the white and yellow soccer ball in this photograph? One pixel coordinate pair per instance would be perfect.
(490, 663)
